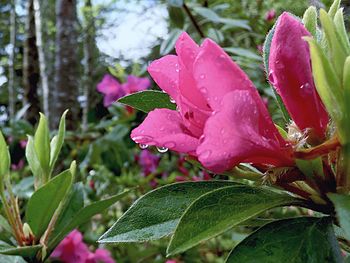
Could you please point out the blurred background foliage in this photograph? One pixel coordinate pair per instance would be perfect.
(77, 48)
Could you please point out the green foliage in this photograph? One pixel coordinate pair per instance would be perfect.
(5, 159)
(44, 202)
(342, 207)
(219, 210)
(162, 207)
(296, 240)
(148, 100)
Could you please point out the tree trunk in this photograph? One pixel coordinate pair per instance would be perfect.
(66, 64)
(11, 62)
(42, 58)
(89, 48)
(31, 74)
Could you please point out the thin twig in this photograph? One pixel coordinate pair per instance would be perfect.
(193, 20)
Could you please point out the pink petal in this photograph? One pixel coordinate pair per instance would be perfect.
(216, 74)
(291, 75)
(187, 50)
(242, 131)
(165, 72)
(136, 84)
(164, 128)
(111, 89)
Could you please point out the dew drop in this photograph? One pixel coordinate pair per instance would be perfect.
(202, 76)
(143, 146)
(206, 154)
(172, 100)
(169, 145)
(162, 149)
(201, 139)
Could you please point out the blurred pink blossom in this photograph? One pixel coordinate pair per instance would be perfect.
(148, 162)
(72, 249)
(113, 90)
(18, 166)
(270, 15)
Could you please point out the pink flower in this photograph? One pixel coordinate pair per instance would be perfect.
(291, 75)
(18, 166)
(100, 256)
(221, 119)
(111, 89)
(135, 84)
(23, 143)
(270, 15)
(171, 261)
(148, 162)
(72, 249)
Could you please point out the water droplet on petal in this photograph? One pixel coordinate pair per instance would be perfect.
(222, 131)
(206, 154)
(201, 139)
(169, 145)
(143, 146)
(172, 100)
(162, 149)
(202, 76)
(203, 90)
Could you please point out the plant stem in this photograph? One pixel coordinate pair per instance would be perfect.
(193, 20)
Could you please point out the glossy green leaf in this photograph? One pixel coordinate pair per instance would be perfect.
(5, 160)
(33, 160)
(342, 207)
(28, 251)
(11, 259)
(168, 44)
(310, 168)
(296, 240)
(310, 20)
(43, 203)
(221, 209)
(57, 141)
(42, 145)
(340, 27)
(157, 213)
(148, 100)
(266, 55)
(84, 215)
(335, 47)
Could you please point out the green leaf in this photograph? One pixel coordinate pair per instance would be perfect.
(57, 141)
(310, 20)
(327, 84)
(5, 160)
(11, 259)
(221, 209)
(84, 215)
(266, 55)
(334, 8)
(42, 145)
(342, 207)
(33, 161)
(296, 240)
(28, 251)
(157, 213)
(243, 52)
(74, 203)
(310, 168)
(43, 203)
(336, 48)
(176, 16)
(169, 43)
(148, 100)
(340, 27)
(176, 3)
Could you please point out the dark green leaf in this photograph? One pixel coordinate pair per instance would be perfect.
(342, 207)
(5, 160)
(157, 213)
(33, 160)
(297, 240)
(148, 100)
(176, 3)
(83, 215)
(243, 53)
(43, 203)
(176, 16)
(29, 251)
(221, 209)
